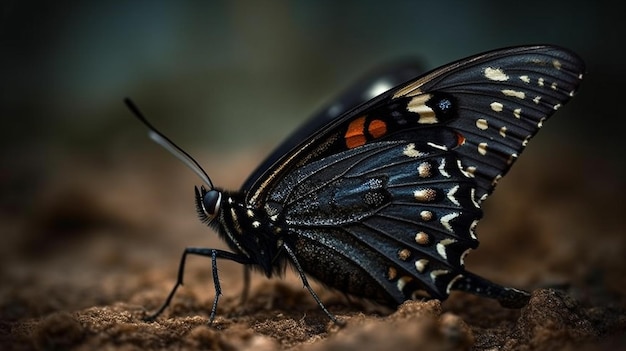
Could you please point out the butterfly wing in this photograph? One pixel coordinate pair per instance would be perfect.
(390, 191)
(376, 82)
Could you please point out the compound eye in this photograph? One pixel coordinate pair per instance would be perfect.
(211, 202)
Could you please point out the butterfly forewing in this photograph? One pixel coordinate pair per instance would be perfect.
(501, 99)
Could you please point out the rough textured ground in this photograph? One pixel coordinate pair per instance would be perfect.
(98, 246)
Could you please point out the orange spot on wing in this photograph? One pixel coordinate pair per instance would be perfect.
(354, 135)
(377, 128)
(460, 139)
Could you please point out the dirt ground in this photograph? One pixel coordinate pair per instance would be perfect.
(99, 245)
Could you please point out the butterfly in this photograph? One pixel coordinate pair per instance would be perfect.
(381, 199)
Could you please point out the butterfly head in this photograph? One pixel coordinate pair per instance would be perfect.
(208, 203)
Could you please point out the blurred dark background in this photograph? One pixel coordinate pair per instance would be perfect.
(229, 76)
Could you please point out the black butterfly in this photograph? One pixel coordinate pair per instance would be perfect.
(381, 201)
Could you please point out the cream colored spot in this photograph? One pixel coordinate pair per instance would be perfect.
(517, 113)
(496, 106)
(503, 132)
(418, 105)
(482, 124)
(250, 213)
(402, 282)
(512, 158)
(557, 106)
(445, 220)
(436, 273)
(421, 264)
(424, 170)
(410, 151)
(422, 238)
(540, 123)
(553, 86)
(482, 148)
(556, 64)
(537, 99)
(525, 79)
(514, 93)
(256, 224)
(496, 74)
(426, 215)
(525, 142)
(425, 195)
(470, 170)
(441, 247)
(540, 82)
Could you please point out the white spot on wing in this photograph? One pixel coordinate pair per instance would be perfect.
(482, 148)
(517, 113)
(451, 194)
(514, 93)
(473, 197)
(472, 229)
(418, 105)
(451, 283)
(442, 168)
(445, 220)
(462, 258)
(437, 146)
(436, 273)
(482, 124)
(410, 151)
(503, 132)
(441, 247)
(525, 79)
(496, 74)
(540, 123)
(420, 265)
(496, 106)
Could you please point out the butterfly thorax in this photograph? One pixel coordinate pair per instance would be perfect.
(251, 232)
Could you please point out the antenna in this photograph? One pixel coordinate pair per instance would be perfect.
(169, 145)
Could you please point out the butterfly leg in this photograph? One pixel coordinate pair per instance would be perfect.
(507, 297)
(206, 252)
(308, 287)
